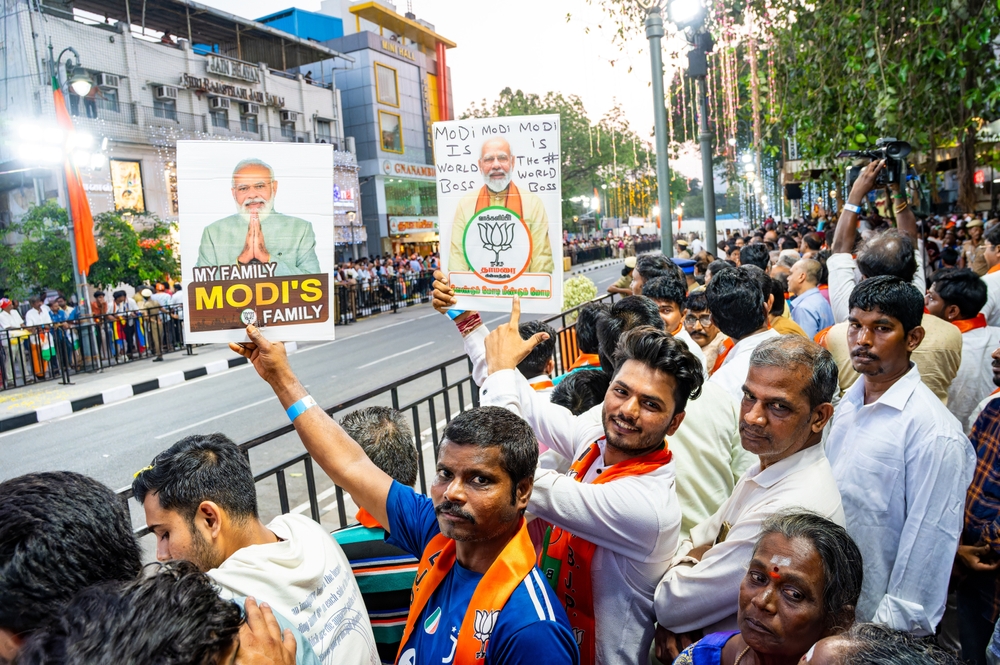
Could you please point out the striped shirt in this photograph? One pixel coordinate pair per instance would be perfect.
(385, 576)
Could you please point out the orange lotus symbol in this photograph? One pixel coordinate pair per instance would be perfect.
(496, 237)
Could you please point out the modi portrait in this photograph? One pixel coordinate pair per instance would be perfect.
(256, 233)
(496, 164)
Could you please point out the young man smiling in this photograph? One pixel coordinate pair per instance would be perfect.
(477, 597)
(615, 517)
(901, 462)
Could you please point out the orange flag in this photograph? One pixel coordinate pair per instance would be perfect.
(79, 207)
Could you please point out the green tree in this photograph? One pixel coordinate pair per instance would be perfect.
(129, 256)
(35, 252)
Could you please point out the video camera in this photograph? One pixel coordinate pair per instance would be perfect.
(894, 153)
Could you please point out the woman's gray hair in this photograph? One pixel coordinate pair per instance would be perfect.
(794, 350)
(843, 569)
(252, 161)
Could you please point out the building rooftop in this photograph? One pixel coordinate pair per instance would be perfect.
(405, 27)
(226, 34)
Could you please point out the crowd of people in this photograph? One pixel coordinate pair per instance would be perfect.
(785, 455)
(610, 246)
(52, 332)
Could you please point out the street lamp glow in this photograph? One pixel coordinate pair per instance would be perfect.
(747, 158)
(604, 186)
(595, 203)
(750, 167)
(80, 82)
(656, 211)
(684, 13)
(678, 210)
(732, 141)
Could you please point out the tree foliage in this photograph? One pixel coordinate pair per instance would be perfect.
(35, 252)
(607, 152)
(130, 256)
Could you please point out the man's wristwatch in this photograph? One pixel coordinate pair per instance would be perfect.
(853, 208)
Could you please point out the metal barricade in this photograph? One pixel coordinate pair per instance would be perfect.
(357, 300)
(88, 344)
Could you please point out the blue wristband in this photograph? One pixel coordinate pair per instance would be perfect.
(454, 313)
(300, 407)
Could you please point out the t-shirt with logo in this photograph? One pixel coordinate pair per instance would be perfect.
(531, 628)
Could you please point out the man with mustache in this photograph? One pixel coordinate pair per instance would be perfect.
(979, 550)
(615, 517)
(496, 164)
(701, 328)
(256, 234)
(478, 597)
(901, 461)
(789, 384)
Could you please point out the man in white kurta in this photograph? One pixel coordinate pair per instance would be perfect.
(991, 244)
(901, 461)
(700, 590)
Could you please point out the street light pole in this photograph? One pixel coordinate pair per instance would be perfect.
(654, 32)
(707, 175)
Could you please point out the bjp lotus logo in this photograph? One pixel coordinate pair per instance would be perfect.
(496, 237)
(486, 620)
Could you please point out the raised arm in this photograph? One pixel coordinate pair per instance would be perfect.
(336, 453)
(847, 224)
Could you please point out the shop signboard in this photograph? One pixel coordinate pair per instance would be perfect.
(499, 200)
(257, 239)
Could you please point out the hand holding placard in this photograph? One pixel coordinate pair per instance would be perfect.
(504, 347)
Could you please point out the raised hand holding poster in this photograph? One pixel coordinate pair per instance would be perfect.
(257, 243)
(500, 205)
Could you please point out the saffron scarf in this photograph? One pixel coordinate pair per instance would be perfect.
(566, 559)
(993, 269)
(512, 200)
(726, 346)
(542, 385)
(586, 360)
(965, 325)
(504, 575)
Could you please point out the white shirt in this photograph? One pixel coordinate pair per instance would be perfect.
(704, 596)
(733, 373)
(974, 380)
(844, 276)
(307, 578)
(11, 319)
(634, 521)
(177, 300)
(992, 308)
(38, 318)
(903, 466)
(693, 347)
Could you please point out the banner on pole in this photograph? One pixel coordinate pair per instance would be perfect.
(499, 198)
(257, 239)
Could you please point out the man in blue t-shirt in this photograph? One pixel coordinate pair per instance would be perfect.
(478, 597)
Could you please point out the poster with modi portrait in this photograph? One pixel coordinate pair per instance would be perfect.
(499, 199)
(257, 239)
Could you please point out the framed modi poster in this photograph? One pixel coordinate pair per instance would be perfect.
(257, 239)
(500, 211)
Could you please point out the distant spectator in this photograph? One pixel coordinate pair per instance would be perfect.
(581, 391)
(809, 308)
(755, 255)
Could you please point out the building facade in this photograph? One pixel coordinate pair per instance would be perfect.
(225, 79)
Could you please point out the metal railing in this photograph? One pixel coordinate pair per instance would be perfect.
(58, 351)
(383, 294)
(428, 398)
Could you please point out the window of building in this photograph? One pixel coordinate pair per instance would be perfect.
(386, 85)
(248, 123)
(410, 197)
(107, 100)
(324, 133)
(165, 108)
(288, 131)
(220, 119)
(390, 129)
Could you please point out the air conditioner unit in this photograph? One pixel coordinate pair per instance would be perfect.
(219, 103)
(165, 92)
(107, 80)
(249, 109)
(289, 116)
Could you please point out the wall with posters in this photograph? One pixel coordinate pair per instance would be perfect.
(499, 204)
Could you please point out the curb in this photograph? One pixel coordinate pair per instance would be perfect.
(596, 267)
(119, 393)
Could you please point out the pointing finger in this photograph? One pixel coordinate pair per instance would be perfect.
(515, 312)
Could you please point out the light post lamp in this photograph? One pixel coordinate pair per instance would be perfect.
(689, 15)
(654, 33)
(81, 84)
(351, 215)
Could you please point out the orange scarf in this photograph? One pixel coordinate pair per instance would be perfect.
(965, 325)
(542, 385)
(504, 575)
(586, 360)
(726, 346)
(512, 200)
(820, 337)
(566, 559)
(366, 519)
(993, 269)
(680, 327)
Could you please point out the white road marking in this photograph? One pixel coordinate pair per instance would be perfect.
(395, 355)
(208, 420)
